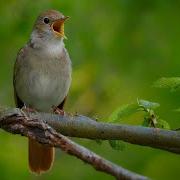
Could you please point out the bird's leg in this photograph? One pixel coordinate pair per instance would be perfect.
(57, 110)
(28, 109)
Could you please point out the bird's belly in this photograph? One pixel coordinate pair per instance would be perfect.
(42, 90)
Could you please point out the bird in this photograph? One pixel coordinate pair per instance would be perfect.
(42, 78)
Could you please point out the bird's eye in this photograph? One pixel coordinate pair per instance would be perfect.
(46, 20)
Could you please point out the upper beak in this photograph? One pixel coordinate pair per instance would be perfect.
(58, 26)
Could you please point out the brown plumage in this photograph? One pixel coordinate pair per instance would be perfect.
(40, 157)
(42, 77)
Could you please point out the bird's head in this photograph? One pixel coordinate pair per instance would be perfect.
(50, 25)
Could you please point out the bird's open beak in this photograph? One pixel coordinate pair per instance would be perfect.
(58, 27)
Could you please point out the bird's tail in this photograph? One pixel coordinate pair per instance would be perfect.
(40, 157)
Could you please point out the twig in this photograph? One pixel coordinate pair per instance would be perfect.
(19, 123)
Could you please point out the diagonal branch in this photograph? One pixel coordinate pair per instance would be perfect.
(17, 122)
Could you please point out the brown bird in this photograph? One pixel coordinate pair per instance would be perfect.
(42, 77)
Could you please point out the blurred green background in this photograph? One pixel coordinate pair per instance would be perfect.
(118, 49)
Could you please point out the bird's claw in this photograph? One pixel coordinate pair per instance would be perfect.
(56, 110)
(28, 109)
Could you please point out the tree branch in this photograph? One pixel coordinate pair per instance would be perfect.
(84, 127)
(16, 121)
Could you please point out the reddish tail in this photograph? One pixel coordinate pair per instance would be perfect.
(40, 157)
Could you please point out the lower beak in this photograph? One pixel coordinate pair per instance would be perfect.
(58, 27)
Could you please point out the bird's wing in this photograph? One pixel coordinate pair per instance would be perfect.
(19, 103)
(66, 58)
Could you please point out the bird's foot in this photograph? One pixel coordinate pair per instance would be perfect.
(56, 110)
(28, 109)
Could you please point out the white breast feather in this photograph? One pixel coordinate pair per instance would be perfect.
(55, 48)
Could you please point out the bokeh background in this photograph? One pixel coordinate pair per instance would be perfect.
(118, 49)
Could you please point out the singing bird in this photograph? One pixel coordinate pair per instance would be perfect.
(42, 77)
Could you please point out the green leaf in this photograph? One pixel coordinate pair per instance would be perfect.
(162, 124)
(159, 124)
(173, 83)
(146, 122)
(117, 145)
(123, 111)
(147, 104)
